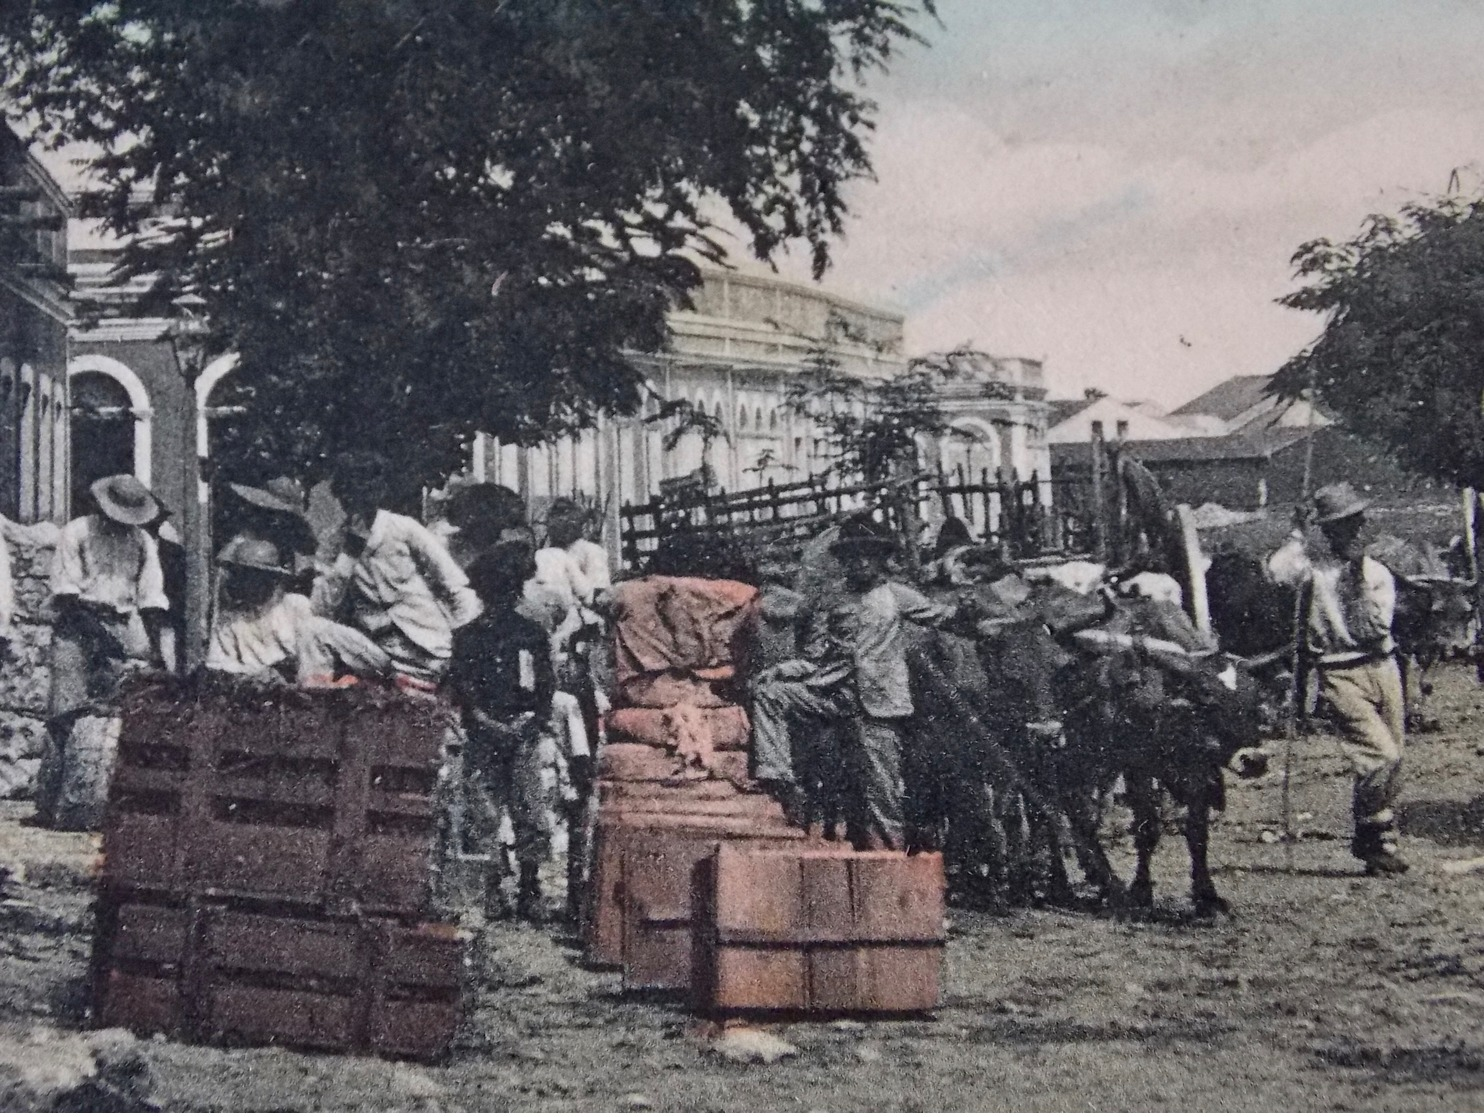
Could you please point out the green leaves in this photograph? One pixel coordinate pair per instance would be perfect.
(417, 220)
(1402, 354)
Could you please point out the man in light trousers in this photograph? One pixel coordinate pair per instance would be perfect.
(1350, 600)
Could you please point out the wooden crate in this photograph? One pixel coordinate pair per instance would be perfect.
(211, 972)
(817, 931)
(319, 801)
(616, 832)
(657, 914)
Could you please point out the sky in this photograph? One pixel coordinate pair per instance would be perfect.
(1117, 187)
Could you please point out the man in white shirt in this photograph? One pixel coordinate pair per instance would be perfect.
(1350, 601)
(394, 579)
(108, 593)
(567, 528)
(262, 630)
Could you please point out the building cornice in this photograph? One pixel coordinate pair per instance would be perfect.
(47, 298)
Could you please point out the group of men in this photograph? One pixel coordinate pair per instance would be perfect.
(469, 607)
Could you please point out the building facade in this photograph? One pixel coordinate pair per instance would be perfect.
(733, 356)
(34, 315)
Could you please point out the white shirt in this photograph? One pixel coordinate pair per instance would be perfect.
(592, 560)
(1350, 607)
(405, 578)
(118, 567)
(559, 570)
(288, 631)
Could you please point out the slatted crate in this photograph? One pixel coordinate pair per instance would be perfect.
(817, 931)
(327, 800)
(220, 972)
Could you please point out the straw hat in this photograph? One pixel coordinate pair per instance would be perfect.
(254, 554)
(125, 500)
(282, 494)
(1338, 502)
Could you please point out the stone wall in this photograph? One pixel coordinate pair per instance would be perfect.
(24, 676)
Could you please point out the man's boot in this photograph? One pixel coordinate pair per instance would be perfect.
(1375, 844)
(528, 904)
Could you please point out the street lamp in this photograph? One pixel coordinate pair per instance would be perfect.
(187, 334)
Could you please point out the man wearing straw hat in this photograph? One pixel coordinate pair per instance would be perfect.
(108, 592)
(1351, 599)
(262, 630)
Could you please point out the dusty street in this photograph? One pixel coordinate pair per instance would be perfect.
(1327, 990)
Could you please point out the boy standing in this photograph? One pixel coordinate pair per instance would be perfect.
(501, 677)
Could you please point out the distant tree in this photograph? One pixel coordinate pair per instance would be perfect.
(1092, 395)
(871, 426)
(1401, 358)
(415, 220)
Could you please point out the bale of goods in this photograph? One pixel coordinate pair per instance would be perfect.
(270, 870)
(817, 931)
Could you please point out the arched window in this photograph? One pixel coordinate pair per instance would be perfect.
(742, 418)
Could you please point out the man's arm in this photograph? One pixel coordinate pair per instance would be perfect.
(1289, 565)
(443, 575)
(1377, 601)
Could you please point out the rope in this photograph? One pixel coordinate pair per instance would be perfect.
(1300, 600)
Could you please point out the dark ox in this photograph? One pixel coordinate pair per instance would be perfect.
(991, 736)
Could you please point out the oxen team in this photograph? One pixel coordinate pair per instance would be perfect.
(1035, 694)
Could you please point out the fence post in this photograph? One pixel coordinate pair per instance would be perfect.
(1099, 510)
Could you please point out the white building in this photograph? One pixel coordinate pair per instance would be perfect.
(734, 356)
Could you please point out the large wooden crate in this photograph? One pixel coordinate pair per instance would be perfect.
(215, 972)
(619, 833)
(325, 800)
(817, 931)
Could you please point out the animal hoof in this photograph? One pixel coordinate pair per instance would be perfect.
(1209, 907)
(1141, 896)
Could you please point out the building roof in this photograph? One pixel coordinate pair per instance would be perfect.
(1064, 409)
(1246, 446)
(1230, 398)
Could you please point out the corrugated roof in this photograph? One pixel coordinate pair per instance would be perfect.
(1229, 398)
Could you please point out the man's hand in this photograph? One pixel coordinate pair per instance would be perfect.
(1303, 515)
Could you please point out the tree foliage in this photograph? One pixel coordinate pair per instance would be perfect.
(1401, 358)
(417, 219)
(871, 427)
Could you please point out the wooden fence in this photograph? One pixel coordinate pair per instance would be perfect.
(1026, 518)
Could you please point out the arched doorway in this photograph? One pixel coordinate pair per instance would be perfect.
(102, 433)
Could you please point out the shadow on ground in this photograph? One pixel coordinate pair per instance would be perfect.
(1444, 821)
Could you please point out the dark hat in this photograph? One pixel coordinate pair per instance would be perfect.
(862, 535)
(124, 499)
(1338, 502)
(254, 554)
(282, 494)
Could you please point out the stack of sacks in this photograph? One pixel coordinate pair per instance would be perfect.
(680, 661)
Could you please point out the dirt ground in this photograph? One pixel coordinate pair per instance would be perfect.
(1326, 990)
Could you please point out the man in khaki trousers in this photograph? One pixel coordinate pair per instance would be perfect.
(1350, 601)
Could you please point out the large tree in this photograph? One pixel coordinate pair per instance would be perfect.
(417, 218)
(1401, 358)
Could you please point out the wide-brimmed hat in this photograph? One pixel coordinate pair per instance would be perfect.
(124, 499)
(860, 535)
(254, 554)
(282, 494)
(1338, 501)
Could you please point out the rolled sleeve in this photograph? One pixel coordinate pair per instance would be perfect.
(1289, 565)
